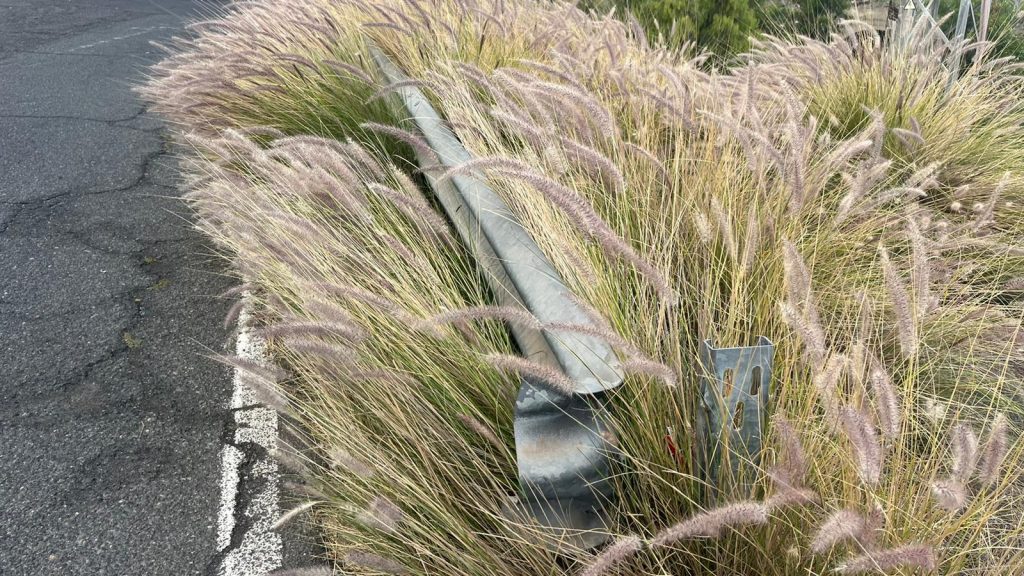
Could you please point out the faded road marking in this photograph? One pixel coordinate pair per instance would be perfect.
(249, 477)
(139, 31)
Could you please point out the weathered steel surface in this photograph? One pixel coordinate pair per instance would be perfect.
(735, 391)
(563, 443)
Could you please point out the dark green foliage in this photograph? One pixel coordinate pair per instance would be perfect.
(724, 27)
(814, 18)
(720, 26)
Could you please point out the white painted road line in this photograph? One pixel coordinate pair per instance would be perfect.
(250, 496)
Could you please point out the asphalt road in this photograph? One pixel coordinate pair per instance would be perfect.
(111, 415)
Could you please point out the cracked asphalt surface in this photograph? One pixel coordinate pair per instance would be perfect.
(111, 413)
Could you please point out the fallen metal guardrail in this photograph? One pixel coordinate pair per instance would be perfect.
(564, 444)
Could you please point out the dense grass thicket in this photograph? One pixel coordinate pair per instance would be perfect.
(844, 198)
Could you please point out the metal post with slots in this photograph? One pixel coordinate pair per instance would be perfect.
(735, 391)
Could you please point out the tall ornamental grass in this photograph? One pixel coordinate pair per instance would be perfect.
(845, 199)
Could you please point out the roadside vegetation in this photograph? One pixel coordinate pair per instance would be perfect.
(846, 199)
(724, 29)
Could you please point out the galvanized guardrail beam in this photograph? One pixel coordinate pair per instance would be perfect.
(563, 443)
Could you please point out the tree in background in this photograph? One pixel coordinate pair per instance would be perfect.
(722, 26)
(814, 18)
(728, 26)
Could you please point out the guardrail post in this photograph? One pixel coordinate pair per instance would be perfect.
(735, 390)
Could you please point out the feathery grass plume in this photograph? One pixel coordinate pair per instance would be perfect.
(303, 488)
(796, 170)
(563, 75)
(911, 556)
(382, 514)
(349, 69)
(341, 458)
(395, 86)
(859, 184)
(964, 446)
(814, 346)
(509, 314)
(415, 141)
(985, 215)
(725, 228)
(306, 571)
(290, 459)
(596, 112)
(537, 373)
(417, 209)
(332, 356)
(994, 452)
(349, 331)
(330, 311)
(650, 367)
(877, 130)
(297, 59)
(906, 328)
(618, 552)
(499, 164)
(483, 431)
(711, 523)
(801, 297)
(751, 243)
(951, 494)
(260, 370)
(887, 403)
(595, 163)
(231, 318)
(267, 393)
(365, 296)
(864, 444)
(843, 526)
(702, 225)
(841, 155)
(581, 265)
(826, 384)
(924, 178)
(581, 214)
(374, 562)
(600, 329)
(525, 129)
(293, 513)
(359, 157)
(787, 497)
(617, 246)
(922, 268)
(908, 138)
(790, 468)
(236, 290)
(651, 159)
